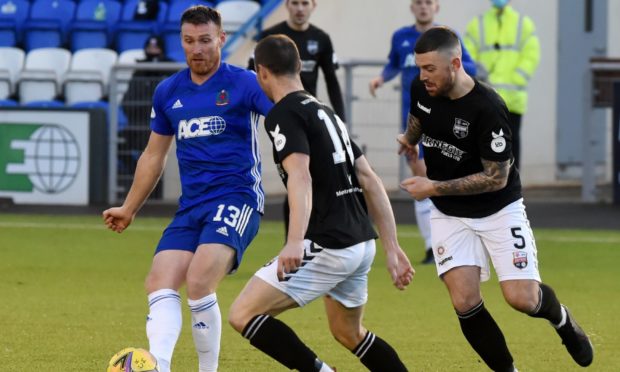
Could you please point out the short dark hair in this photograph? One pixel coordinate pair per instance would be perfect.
(279, 54)
(439, 38)
(200, 14)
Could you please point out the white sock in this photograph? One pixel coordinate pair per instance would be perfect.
(325, 368)
(423, 219)
(563, 321)
(207, 331)
(163, 325)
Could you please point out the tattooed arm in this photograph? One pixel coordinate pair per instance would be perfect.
(493, 177)
(411, 137)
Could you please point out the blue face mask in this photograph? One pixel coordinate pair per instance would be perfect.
(499, 3)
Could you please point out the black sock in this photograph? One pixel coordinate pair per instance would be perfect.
(486, 338)
(377, 355)
(277, 340)
(548, 305)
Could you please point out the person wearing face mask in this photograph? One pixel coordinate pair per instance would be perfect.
(504, 44)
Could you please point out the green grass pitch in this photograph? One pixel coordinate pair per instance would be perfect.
(72, 295)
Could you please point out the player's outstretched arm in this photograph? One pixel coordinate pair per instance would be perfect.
(380, 209)
(148, 171)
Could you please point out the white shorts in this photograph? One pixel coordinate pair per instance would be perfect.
(505, 237)
(340, 273)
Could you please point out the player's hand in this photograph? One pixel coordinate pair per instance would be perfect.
(419, 187)
(290, 258)
(400, 268)
(374, 84)
(117, 219)
(407, 149)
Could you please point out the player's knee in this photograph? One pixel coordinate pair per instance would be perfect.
(521, 302)
(238, 318)
(348, 337)
(464, 304)
(198, 287)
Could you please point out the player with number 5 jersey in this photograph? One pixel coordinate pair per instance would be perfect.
(211, 110)
(330, 241)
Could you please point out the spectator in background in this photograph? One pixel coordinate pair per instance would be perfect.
(136, 105)
(401, 60)
(504, 44)
(316, 50)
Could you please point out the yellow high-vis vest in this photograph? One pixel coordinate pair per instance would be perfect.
(506, 46)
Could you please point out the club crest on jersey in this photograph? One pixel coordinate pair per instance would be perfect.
(222, 98)
(498, 143)
(279, 140)
(460, 128)
(312, 47)
(519, 259)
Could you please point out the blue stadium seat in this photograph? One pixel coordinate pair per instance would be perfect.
(172, 29)
(52, 103)
(48, 23)
(8, 103)
(94, 24)
(132, 33)
(13, 13)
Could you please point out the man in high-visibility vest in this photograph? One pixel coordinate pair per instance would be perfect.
(504, 44)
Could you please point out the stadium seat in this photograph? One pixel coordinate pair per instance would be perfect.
(94, 24)
(43, 74)
(13, 13)
(236, 12)
(8, 103)
(131, 33)
(11, 64)
(44, 103)
(172, 28)
(88, 76)
(127, 57)
(48, 24)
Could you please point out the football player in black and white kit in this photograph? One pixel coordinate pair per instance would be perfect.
(479, 212)
(330, 244)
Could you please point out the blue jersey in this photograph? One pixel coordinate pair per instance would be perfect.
(216, 129)
(402, 60)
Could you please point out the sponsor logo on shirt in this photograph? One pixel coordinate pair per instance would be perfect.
(201, 127)
(279, 139)
(424, 108)
(460, 128)
(498, 143)
(447, 150)
(409, 61)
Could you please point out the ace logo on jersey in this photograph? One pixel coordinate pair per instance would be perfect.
(498, 143)
(460, 128)
(279, 140)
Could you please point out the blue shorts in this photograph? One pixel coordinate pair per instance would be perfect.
(230, 221)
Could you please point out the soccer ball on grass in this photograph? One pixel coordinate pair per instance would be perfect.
(133, 359)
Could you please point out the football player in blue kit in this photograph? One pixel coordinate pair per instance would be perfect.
(401, 60)
(330, 243)
(211, 109)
